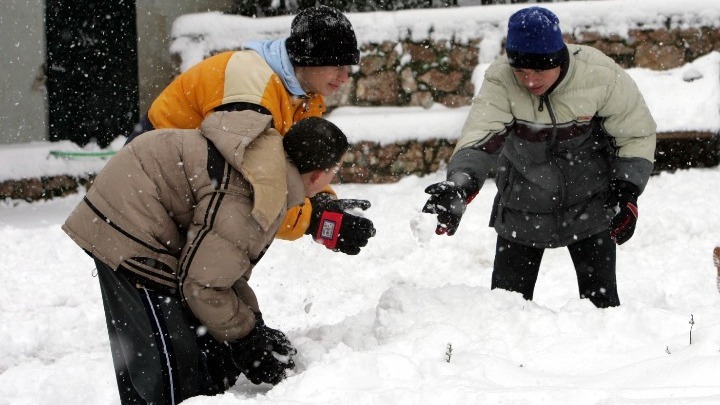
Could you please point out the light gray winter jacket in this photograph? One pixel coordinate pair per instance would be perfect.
(193, 211)
(557, 154)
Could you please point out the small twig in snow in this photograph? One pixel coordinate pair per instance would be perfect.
(692, 322)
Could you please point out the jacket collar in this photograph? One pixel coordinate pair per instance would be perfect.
(564, 69)
(295, 186)
(247, 142)
(275, 54)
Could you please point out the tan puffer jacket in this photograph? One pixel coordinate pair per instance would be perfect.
(194, 209)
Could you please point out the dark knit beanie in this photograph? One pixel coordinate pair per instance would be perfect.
(534, 40)
(314, 144)
(322, 36)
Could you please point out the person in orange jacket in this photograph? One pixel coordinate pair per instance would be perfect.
(287, 78)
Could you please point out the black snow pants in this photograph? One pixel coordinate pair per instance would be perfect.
(158, 356)
(516, 268)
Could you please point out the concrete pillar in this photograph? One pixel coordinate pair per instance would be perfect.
(23, 115)
(154, 22)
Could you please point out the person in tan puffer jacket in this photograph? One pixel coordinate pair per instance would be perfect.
(175, 222)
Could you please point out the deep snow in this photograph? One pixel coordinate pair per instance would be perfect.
(375, 328)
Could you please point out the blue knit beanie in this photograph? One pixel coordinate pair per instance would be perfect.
(534, 40)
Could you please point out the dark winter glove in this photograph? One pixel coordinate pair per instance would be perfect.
(219, 368)
(448, 199)
(622, 198)
(281, 344)
(337, 229)
(258, 355)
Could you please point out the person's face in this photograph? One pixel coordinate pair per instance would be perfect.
(537, 81)
(323, 80)
(317, 180)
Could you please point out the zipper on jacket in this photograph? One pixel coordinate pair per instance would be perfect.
(302, 108)
(552, 142)
(550, 147)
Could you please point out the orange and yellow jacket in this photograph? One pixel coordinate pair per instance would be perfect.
(236, 77)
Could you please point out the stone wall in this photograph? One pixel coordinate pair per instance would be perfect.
(45, 188)
(418, 74)
(407, 73)
(370, 162)
(410, 73)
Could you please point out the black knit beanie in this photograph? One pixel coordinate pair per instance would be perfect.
(314, 144)
(322, 36)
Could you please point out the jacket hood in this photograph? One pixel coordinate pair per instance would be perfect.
(249, 144)
(232, 131)
(276, 56)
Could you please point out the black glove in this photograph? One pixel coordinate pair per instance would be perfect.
(337, 229)
(253, 354)
(217, 364)
(622, 198)
(281, 344)
(448, 200)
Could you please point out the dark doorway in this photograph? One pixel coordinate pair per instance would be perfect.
(92, 73)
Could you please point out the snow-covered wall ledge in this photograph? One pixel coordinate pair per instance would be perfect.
(196, 36)
(421, 57)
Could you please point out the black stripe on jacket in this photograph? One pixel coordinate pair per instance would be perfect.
(122, 231)
(219, 171)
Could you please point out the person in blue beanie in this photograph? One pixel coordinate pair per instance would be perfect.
(572, 143)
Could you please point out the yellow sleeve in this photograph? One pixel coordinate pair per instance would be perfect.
(193, 94)
(297, 220)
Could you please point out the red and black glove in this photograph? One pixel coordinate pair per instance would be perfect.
(337, 229)
(448, 199)
(622, 198)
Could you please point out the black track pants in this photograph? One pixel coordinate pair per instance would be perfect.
(152, 341)
(516, 268)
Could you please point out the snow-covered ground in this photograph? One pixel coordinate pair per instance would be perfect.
(376, 328)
